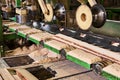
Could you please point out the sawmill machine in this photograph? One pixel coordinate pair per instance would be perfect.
(86, 15)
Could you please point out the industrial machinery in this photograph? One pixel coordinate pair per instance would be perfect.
(78, 30)
(85, 16)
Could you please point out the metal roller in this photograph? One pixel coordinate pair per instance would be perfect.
(59, 11)
(99, 15)
(97, 67)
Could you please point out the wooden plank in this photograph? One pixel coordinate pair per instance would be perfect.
(22, 27)
(5, 74)
(41, 36)
(113, 56)
(84, 56)
(16, 77)
(56, 44)
(22, 73)
(30, 31)
(113, 69)
(10, 23)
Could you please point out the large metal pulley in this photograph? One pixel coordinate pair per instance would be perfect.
(99, 15)
(95, 15)
(59, 11)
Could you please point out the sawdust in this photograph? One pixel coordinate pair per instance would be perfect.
(23, 50)
(42, 56)
(33, 47)
(37, 54)
(47, 60)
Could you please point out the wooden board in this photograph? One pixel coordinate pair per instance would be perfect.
(113, 56)
(84, 56)
(16, 77)
(22, 27)
(5, 74)
(56, 44)
(30, 31)
(113, 69)
(10, 24)
(41, 36)
(24, 73)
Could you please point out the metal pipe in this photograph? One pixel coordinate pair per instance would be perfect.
(110, 28)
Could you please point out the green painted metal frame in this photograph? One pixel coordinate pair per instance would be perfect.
(78, 61)
(21, 34)
(113, 9)
(18, 3)
(52, 49)
(12, 30)
(34, 40)
(11, 36)
(109, 76)
(13, 19)
(24, 36)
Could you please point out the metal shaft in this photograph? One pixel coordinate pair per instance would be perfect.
(110, 28)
